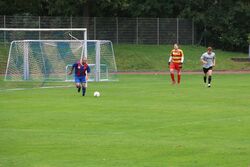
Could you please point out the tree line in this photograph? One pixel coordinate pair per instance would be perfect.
(223, 24)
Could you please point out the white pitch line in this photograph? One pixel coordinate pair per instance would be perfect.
(13, 89)
(46, 87)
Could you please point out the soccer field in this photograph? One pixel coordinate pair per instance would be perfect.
(139, 121)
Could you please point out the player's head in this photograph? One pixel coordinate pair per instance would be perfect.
(176, 46)
(84, 60)
(209, 50)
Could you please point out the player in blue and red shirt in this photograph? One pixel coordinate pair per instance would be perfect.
(81, 70)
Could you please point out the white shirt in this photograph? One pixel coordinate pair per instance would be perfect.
(209, 58)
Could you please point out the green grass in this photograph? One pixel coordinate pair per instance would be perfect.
(140, 121)
(3, 57)
(155, 58)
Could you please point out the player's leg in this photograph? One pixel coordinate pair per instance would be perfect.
(205, 75)
(171, 67)
(179, 76)
(78, 84)
(84, 88)
(178, 68)
(83, 84)
(210, 71)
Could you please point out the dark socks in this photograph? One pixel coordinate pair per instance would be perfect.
(209, 79)
(205, 79)
(79, 89)
(83, 91)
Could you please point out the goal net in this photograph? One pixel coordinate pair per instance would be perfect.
(48, 54)
(51, 60)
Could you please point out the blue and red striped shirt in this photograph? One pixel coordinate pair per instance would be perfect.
(80, 70)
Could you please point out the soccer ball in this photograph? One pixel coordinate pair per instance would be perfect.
(96, 94)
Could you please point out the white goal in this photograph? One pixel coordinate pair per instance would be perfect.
(47, 54)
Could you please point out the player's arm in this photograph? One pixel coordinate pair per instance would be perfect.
(214, 62)
(202, 60)
(88, 69)
(182, 57)
(170, 58)
(71, 70)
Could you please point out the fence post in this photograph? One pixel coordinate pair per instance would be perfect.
(94, 28)
(117, 31)
(137, 29)
(4, 33)
(249, 51)
(39, 25)
(177, 30)
(192, 31)
(71, 24)
(158, 31)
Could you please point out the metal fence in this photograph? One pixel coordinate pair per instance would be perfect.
(118, 30)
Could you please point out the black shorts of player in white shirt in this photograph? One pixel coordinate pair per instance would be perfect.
(205, 70)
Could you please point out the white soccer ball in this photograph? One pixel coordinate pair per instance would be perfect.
(97, 94)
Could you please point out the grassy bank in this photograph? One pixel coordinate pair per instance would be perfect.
(3, 57)
(155, 58)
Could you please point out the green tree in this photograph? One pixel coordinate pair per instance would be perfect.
(12, 7)
(224, 23)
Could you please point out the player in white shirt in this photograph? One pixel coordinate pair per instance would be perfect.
(208, 61)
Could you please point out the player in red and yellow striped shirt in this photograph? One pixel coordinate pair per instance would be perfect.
(175, 63)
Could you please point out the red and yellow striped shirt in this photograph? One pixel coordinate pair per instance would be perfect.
(176, 55)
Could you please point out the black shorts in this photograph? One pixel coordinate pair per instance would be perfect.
(205, 70)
